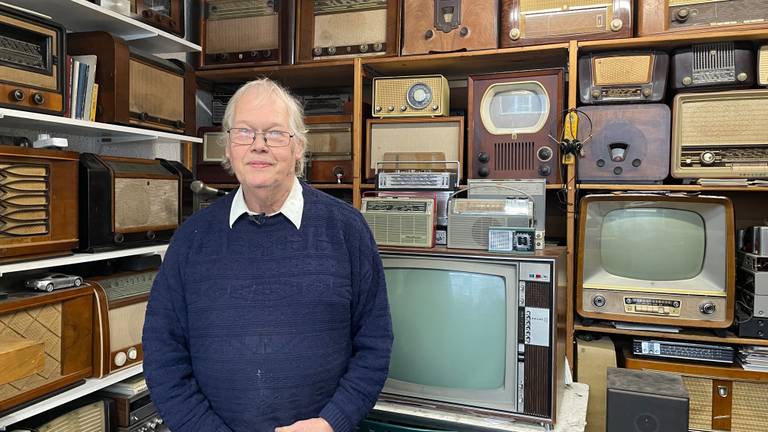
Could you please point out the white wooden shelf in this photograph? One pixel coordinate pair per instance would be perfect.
(82, 15)
(79, 258)
(91, 385)
(105, 132)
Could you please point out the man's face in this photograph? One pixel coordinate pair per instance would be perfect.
(260, 166)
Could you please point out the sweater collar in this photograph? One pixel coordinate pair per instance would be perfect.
(292, 208)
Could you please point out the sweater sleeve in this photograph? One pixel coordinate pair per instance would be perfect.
(167, 360)
(372, 337)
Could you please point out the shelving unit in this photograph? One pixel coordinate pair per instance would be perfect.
(698, 335)
(80, 258)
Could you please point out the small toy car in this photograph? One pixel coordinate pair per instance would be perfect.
(54, 281)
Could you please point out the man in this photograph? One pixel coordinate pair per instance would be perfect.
(270, 309)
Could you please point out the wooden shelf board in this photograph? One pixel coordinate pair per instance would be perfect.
(733, 371)
(80, 258)
(672, 40)
(336, 73)
(676, 188)
(331, 185)
(700, 335)
(550, 186)
(459, 65)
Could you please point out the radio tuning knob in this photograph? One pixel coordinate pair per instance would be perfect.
(266, 53)
(133, 354)
(403, 108)
(707, 158)
(682, 15)
(742, 77)
(707, 308)
(378, 46)
(595, 94)
(331, 50)
(38, 98)
(178, 124)
(616, 24)
(687, 81)
(143, 116)
(435, 107)
(598, 301)
(429, 34)
(545, 170)
(120, 359)
(544, 154)
(390, 108)
(317, 51)
(150, 235)
(463, 32)
(514, 34)
(483, 157)
(118, 238)
(363, 48)
(647, 92)
(17, 95)
(378, 108)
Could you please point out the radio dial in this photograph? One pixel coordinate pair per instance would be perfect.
(419, 96)
(707, 308)
(514, 34)
(483, 157)
(17, 95)
(707, 158)
(616, 24)
(38, 98)
(120, 359)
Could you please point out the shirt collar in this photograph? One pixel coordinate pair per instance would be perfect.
(292, 208)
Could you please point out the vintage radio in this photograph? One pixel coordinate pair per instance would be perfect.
(645, 401)
(137, 89)
(401, 221)
(85, 414)
(714, 64)
(762, 66)
(325, 102)
(33, 72)
(127, 202)
(720, 135)
(533, 189)
(469, 219)
(629, 144)
(411, 96)
(755, 263)
(38, 203)
(749, 326)
(166, 15)
(417, 180)
(755, 240)
(533, 22)
(247, 33)
(656, 258)
(623, 77)
(329, 149)
(665, 16)
(441, 208)
(449, 25)
(63, 322)
(720, 400)
(514, 119)
(210, 155)
(121, 302)
(333, 29)
(430, 140)
(135, 412)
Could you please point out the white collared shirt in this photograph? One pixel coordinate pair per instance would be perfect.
(292, 208)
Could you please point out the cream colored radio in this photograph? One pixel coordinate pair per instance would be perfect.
(762, 66)
(411, 96)
(401, 221)
(720, 135)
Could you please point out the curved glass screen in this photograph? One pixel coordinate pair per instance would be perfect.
(511, 108)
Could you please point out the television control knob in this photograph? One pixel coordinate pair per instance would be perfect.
(707, 308)
(707, 158)
(463, 32)
(616, 24)
(682, 15)
(133, 353)
(38, 99)
(514, 34)
(17, 95)
(429, 34)
(120, 359)
(741, 77)
(545, 170)
(598, 301)
(687, 81)
(544, 154)
(483, 157)
(483, 172)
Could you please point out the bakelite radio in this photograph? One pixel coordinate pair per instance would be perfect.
(665, 16)
(32, 73)
(166, 15)
(449, 25)
(533, 22)
(247, 33)
(333, 29)
(623, 77)
(713, 65)
(514, 119)
(210, 155)
(137, 89)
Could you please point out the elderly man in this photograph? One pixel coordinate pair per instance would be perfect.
(270, 310)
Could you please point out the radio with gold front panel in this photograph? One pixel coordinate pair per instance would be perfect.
(411, 96)
(449, 25)
(623, 76)
(664, 16)
(333, 29)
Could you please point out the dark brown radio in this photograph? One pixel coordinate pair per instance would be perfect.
(664, 16)
(329, 148)
(629, 144)
(38, 203)
(210, 154)
(334, 29)
(449, 25)
(247, 33)
(514, 119)
(166, 15)
(32, 74)
(61, 324)
(137, 89)
(533, 22)
(623, 76)
(713, 65)
(127, 202)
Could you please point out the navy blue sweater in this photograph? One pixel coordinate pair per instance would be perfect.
(260, 326)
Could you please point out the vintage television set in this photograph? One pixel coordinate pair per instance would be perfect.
(657, 258)
(491, 340)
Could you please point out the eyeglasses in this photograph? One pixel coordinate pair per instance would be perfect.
(246, 137)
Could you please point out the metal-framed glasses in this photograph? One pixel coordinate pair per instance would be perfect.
(246, 137)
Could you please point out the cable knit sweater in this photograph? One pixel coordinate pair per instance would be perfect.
(260, 326)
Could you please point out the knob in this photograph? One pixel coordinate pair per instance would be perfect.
(317, 51)
(178, 124)
(598, 301)
(222, 56)
(435, 107)
(707, 158)
(240, 56)
(145, 13)
(647, 92)
(595, 94)
(514, 34)
(483, 172)
(390, 108)
(600, 163)
(545, 170)
(266, 53)
(741, 76)
(687, 81)
(483, 157)
(331, 50)
(133, 353)
(378, 46)
(463, 32)
(682, 15)
(707, 308)
(120, 359)
(118, 238)
(429, 34)
(378, 108)
(544, 154)
(254, 54)
(636, 162)
(17, 95)
(363, 48)
(403, 108)
(38, 99)
(150, 235)
(143, 116)
(616, 24)
(618, 170)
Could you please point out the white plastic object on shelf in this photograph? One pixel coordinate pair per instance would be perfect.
(47, 141)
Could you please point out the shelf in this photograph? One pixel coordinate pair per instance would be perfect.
(550, 186)
(669, 41)
(80, 258)
(673, 188)
(734, 371)
(331, 185)
(337, 73)
(82, 15)
(90, 386)
(106, 132)
(699, 335)
(459, 65)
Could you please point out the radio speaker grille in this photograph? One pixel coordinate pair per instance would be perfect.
(700, 402)
(514, 156)
(618, 70)
(249, 33)
(394, 229)
(762, 66)
(89, 418)
(726, 122)
(156, 92)
(146, 204)
(527, 6)
(24, 203)
(749, 412)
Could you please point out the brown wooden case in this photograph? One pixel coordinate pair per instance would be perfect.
(137, 89)
(629, 144)
(327, 31)
(449, 25)
(329, 149)
(511, 151)
(38, 203)
(63, 322)
(171, 20)
(533, 22)
(255, 33)
(666, 16)
(623, 77)
(210, 154)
